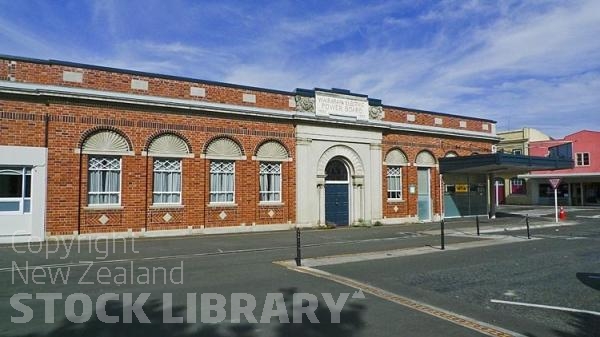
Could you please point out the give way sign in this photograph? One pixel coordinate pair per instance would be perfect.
(554, 182)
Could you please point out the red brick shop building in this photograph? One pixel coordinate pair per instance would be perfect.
(87, 149)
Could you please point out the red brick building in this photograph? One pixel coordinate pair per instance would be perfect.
(87, 149)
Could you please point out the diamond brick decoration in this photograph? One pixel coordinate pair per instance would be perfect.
(167, 217)
(222, 215)
(395, 208)
(103, 219)
(271, 213)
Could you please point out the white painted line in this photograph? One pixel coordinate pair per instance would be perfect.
(467, 322)
(547, 307)
(469, 231)
(187, 256)
(588, 216)
(149, 258)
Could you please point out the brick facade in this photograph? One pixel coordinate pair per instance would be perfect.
(62, 123)
(411, 145)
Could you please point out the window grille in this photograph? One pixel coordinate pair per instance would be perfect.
(270, 181)
(222, 181)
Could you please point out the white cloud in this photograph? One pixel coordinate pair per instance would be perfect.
(523, 63)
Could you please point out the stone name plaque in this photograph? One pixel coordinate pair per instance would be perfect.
(341, 105)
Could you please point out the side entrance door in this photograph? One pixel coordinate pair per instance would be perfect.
(424, 198)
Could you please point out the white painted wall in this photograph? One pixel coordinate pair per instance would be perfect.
(365, 199)
(25, 227)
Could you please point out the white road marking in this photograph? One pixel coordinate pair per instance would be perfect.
(588, 216)
(467, 322)
(542, 306)
(187, 256)
(562, 237)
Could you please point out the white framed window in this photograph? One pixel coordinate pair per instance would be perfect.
(518, 186)
(104, 180)
(583, 159)
(394, 180)
(222, 181)
(270, 181)
(15, 190)
(167, 181)
(517, 151)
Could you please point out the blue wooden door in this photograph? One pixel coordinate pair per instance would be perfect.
(336, 204)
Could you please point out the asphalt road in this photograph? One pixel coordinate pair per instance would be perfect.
(550, 271)
(562, 269)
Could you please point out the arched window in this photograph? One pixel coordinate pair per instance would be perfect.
(105, 148)
(425, 158)
(105, 142)
(272, 151)
(270, 154)
(451, 154)
(167, 150)
(168, 145)
(223, 152)
(394, 160)
(336, 171)
(224, 148)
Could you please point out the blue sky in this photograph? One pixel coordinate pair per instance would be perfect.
(523, 63)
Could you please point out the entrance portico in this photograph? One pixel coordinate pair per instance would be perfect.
(338, 176)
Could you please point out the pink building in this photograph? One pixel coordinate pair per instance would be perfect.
(579, 185)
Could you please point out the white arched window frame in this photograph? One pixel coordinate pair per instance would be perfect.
(105, 149)
(395, 160)
(168, 151)
(271, 154)
(425, 159)
(222, 152)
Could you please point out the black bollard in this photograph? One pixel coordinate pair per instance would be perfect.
(442, 230)
(298, 248)
(477, 221)
(527, 224)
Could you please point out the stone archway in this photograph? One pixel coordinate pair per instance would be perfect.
(349, 191)
(341, 151)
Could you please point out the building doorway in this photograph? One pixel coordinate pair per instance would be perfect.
(424, 195)
(337, 186)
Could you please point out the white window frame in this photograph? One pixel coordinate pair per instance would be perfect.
(214, 193)
(169, 172)
(23, 172)
(582, 156)
(105, 193)
(517, 152)
(399, 176)
(520, 182)
(270, 176)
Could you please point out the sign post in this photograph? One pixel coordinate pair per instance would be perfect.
(555, 182)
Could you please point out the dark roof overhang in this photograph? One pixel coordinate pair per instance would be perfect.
(498, 163)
